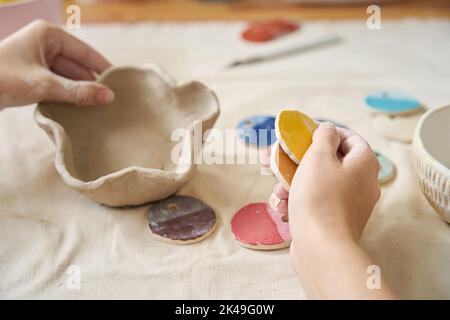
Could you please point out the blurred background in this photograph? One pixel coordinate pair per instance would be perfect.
(16, 13)
(210, 41)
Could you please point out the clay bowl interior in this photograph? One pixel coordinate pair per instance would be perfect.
(435, 135)
(134, 132)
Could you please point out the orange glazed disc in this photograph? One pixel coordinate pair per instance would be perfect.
(282, 166)
(294, 131)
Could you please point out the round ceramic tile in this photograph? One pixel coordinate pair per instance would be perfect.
(282, 166)
(268, 30)
(257, 130)
(181, 220)
(294, 131)
(398, 128)
(392, 102)
(257, 226)
(387, 171)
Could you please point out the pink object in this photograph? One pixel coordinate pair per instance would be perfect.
(14, 15)
(257, 226)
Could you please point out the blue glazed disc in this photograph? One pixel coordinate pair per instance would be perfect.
(257, 130)
(387, 171)
(392, 102)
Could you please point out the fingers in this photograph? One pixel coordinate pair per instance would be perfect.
(278, 201)
(352, 144)
(75, 60)
(280, 192)
(71, 70)
(81, 53)
(77, 92)
(355, 148)
(280, 206)
(326, 140)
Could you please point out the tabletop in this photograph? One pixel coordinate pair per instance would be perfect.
(188, 10)
(49, 233)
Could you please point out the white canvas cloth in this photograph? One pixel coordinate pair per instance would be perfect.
(46, 227)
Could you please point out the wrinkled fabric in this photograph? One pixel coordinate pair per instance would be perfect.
(50, 235)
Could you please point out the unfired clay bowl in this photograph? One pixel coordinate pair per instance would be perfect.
(432, 158)
(120, 154)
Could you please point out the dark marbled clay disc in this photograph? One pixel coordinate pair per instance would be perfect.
(181, 218)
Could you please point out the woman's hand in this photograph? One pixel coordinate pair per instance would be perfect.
(332, 196)
(42, 62)
(336, 186)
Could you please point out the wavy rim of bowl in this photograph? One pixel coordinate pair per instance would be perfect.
(60, 140)
(418, 142)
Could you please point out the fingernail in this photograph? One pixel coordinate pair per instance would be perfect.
(282, 204)
(279, 190)
(327, 125)
(105, 96)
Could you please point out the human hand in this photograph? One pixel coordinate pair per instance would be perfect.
(41, 62)
(332, 196)
(335, 188)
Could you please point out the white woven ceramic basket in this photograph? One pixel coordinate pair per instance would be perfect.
(431, 147)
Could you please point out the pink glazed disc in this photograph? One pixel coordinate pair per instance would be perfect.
(257, 226)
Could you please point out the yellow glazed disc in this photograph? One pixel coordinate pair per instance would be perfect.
(294, 132)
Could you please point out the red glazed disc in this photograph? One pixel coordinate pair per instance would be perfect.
(268, 30)
(257, 226)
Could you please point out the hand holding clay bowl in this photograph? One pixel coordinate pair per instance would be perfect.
(123, 153)
(432, 158)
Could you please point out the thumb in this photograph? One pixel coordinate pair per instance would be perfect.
(326, 139)
(80, 92)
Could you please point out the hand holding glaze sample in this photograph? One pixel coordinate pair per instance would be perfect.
(120, 154)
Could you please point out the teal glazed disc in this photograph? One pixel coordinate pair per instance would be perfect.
(392, 102)
(387, 171)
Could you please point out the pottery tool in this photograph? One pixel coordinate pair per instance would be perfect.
(257, 226)
(268, 30)
(257, 130)
(337, 124)
(387, 171)
(181, 220)
(318, 44)
(392, 102)
(282, 166)
(294, 131)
